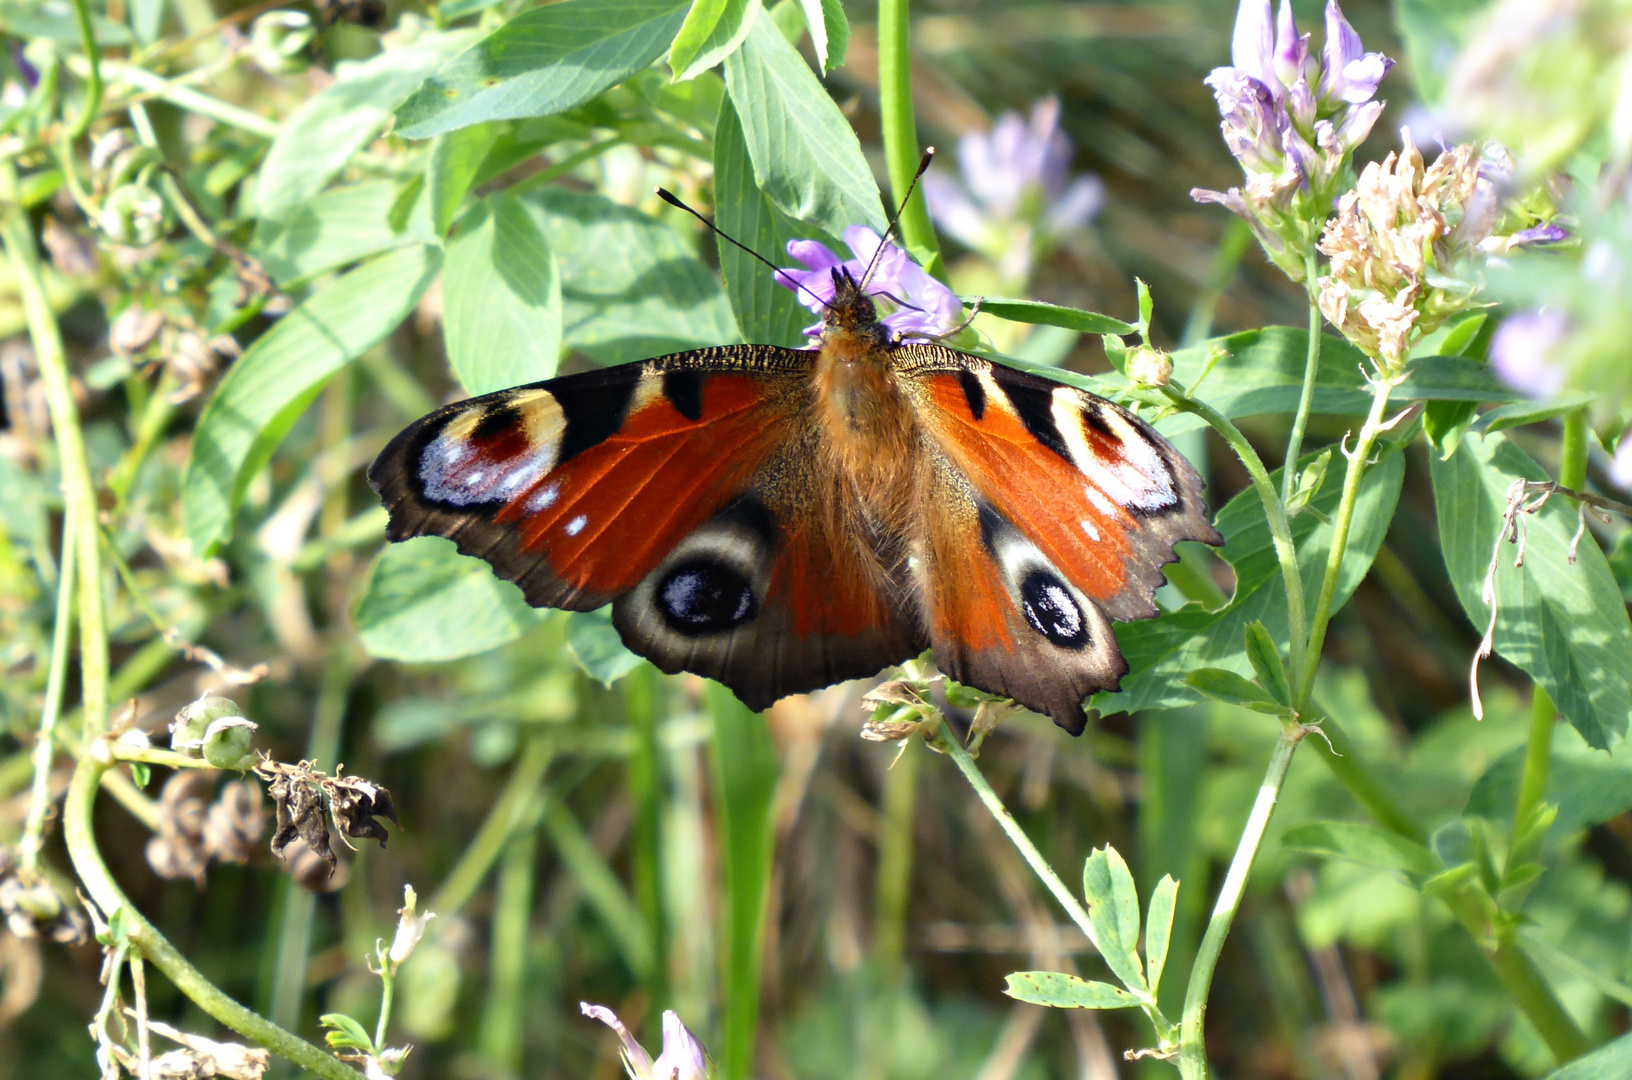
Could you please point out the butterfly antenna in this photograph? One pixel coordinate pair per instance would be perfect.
(781, 275)
(895, 218)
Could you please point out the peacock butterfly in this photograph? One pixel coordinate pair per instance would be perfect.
(783, 519)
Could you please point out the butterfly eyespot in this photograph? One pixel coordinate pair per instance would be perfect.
(703, 597)
(1052, 611)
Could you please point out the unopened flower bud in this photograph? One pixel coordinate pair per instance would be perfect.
(279, 42)
(133, 215)
(1149, 366)
(410, 928)
(227, 743)
(193, 721)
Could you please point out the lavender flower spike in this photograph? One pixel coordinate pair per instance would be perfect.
(1252, 46)
(916, 304)
(1348, 73)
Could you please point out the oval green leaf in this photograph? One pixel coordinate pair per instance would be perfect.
(501, 298)
(425, 602)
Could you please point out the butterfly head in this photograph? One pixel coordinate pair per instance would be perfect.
(851, 310)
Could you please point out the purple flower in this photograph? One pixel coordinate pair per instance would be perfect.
(1016, 189)
(1348, 72)
(1620, 467)
(1292, 122)
(682, 1057)
(1521, 352)
(919, 305)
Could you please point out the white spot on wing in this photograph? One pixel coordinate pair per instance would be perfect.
(541, 499)
(1088, 527)
(576, 525)
(1137, 477)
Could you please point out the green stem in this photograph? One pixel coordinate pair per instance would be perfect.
(154, 946)
(946, 741)
(388, 981)
(894, 880)
(1343, 758)
(45, 744)
(1538, 753)
(1572, 457)
(1521, 980)
(1192, 1048)
(900, 129)
(1311, 365)
(1369, 431)
(93, 76)
(1280, 529)
(79, 495)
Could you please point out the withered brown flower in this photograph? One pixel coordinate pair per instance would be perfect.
(308, 800)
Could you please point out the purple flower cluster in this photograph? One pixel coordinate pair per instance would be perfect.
(1292, 121)
(1015, 193)
(915, 304)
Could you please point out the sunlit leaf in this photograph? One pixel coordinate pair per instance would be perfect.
(541, 62)
(1564, 624)
(423, 601)
(1363, 844)
(1060, 991)
(1113, 908)
(269, 387)
(501, 298)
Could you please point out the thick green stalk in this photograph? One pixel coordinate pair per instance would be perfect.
(1192, 1048)
(900, 132)
(1346, 763)
(1311, 367)
(895, 865)
(1280, 529)
(1358, 460)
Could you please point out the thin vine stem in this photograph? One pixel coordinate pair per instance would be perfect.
(946, 741)
(45, 742)
(1341, 523)
(93, 76)
(79, 497)
(1192, 1048)
(1311, 367)
(1280, 528)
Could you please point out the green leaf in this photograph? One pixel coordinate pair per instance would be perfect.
(1160, 651)
(1039, 313)
(1588, 786)
(1227, 686)
(145, 19)
(542, 62)
(501, 298)
(1458, 339)
(1450, 881)
(141, 774)
(630, 287)
(595, 644)
(1159, 927)
(829, 31)
(345, 1032)
(325, 131)
(767, 313)
(1265, 657)
(1146, 307)
(424, 602)
(1564, 625)
(1060, 991)
(1363, 844)
(713, 30)
(1261, 374)
(1445, 422)
(746, 770)
(1113, 908)
(806, 156)
(56, 23)
(1310, 479)
(1530, 412)
(1610, 1062)
(265, 392)
(455, 158)
(329, 231)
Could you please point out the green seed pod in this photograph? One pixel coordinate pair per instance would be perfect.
(227, 743)
(133, 215)
(280, 41)
(192, 722)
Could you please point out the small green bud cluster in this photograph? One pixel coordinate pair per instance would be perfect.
(215, 729)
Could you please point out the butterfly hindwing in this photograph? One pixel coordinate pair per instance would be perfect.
(1070, 493)
(679, 488)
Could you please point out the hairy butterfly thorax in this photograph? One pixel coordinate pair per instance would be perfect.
(782, 519)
